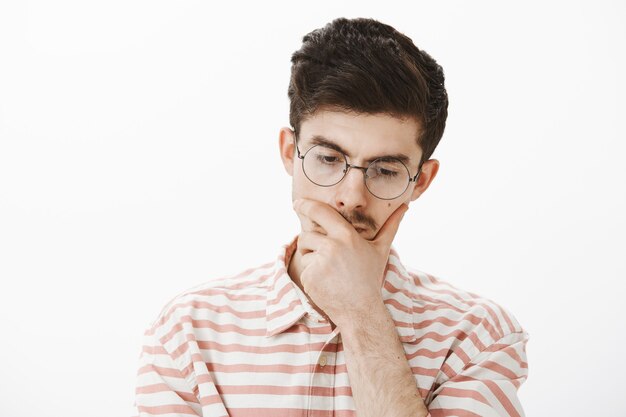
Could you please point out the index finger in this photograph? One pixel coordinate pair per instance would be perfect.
(309, 225)
(387, 233)
(324, 215)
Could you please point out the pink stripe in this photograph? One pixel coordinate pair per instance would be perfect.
(227, 294)
(495, 318)
(288, 286)
(434, 304)
(477, 343)
(463, 393)
(151, 389)
(154, 350)
(496, 367)
(199, 306)
(501, 396)
(210, 400)
(493, 332)
(426, 353)
(456, 412)
(397, 305)
(392, 289)
(448, 371)
(283, 311)
(203, 378)
(510, 351)
(442, 337)
(209, 324)
(454, 293)
(509, 323)
(513, 354)
(282, 348)
(418, 370)
(283, 390)
(177, 327)
(449, 322)
(457, 324)
(302, 328)
(287, 369)
(286, 412)
(462, 355)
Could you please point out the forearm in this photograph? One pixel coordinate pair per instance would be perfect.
(380, 376)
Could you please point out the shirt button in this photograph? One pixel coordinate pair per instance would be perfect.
(323, 361)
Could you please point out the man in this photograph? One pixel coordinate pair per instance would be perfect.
(337, 325)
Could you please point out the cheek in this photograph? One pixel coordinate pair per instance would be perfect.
(303, 188)
(384, 211)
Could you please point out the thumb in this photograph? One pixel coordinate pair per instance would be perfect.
(387, 233)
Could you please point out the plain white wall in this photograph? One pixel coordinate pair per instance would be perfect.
(120, 123)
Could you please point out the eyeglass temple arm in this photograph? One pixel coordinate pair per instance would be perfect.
(295, 136)
(419, 171)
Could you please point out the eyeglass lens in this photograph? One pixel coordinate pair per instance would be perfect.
(385, 178)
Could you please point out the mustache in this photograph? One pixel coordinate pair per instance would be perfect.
(356, 217)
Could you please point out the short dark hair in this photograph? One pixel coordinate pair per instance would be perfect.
(365, 66)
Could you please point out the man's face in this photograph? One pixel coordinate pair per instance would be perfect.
(363, 138)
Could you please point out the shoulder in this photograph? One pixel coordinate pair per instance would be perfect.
(228, 295)
(472, 329)
(470, 326)
(435, 295)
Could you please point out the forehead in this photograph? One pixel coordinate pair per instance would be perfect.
(364, 136)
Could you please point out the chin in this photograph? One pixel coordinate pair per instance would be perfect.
(366, 234)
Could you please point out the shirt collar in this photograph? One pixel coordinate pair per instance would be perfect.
(284, 305)
(287, 304)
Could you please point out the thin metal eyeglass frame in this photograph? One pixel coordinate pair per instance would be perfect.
(364, 169)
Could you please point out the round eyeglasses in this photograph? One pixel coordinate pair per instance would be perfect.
(386, 178)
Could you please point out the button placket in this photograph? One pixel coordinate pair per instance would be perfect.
(322, 387)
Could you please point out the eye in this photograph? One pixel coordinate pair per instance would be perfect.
(387, 169)
(386, 172)
(327, 159)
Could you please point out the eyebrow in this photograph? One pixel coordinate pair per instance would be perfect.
(322, 141)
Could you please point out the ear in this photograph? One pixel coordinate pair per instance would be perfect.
(287, 147)
(428, 174)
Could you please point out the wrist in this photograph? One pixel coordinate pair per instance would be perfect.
(371, 316)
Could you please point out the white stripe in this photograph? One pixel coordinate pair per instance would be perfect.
(261, 401)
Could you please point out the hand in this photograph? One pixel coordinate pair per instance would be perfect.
(342, 272)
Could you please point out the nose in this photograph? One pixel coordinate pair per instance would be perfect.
(351, 191)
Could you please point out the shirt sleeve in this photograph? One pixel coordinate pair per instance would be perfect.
(162, 388)
(487, 385)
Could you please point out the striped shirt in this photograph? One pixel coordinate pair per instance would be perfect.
(252, 345)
